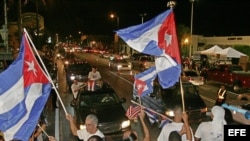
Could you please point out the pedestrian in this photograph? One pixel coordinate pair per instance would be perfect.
(91, 123)
(212, 130)
(76, 87)
(221, 95)
(37, 134)
(177, 125)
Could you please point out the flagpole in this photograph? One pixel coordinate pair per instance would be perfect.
(48, 75)
(182, 96)
(151, 110)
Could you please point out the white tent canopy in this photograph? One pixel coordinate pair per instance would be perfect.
(230, 52)
(211, 50)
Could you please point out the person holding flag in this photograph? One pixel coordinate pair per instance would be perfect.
(24, 90)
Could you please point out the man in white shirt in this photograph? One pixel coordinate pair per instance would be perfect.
(94, 75)
(75, 87)
(212, 130)
(94, 78)
(91, 123)
(175, 125)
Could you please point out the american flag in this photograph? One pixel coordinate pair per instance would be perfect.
(133, 111)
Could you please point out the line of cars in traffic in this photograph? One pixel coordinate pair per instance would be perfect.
(161, 100)
(102, 101)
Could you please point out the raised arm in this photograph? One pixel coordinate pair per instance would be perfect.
(144, 126)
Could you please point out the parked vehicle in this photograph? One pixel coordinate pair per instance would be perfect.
(193, 77)
(229, 74)
(106, 104)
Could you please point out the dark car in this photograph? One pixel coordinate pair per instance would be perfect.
(78, 70)
(105, 103)
(164, 101)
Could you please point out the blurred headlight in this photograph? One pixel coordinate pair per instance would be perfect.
(82, 126)
(66, 62)
(125, 124)
(119, 66)
(170, 113)
(72, 77)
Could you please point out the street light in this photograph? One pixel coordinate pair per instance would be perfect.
(142, 17)
(116, 38)
(191, 28)
(117, 19)
(171, 4)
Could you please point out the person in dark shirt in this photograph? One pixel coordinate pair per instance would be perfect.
(221, 95)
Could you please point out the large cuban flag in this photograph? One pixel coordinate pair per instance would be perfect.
(24, 90)
(157, 37)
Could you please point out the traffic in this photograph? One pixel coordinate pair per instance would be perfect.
(122, 84)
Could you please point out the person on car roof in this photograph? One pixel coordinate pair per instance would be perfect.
(94, 78)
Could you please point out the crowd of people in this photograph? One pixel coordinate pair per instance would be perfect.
(178, 130)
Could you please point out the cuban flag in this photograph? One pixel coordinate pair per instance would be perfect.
(24, 90)
(144, 81)
(157, 37)
(152, 117)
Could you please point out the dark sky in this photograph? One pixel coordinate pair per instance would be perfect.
(210, 17)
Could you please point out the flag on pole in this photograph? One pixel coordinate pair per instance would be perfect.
(157, 37)
(152, 117)
(133, 111)
(24, 90)
(144, 81)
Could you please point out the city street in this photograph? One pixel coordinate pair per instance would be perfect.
(122, 83)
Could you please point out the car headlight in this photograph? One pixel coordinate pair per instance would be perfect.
(170, 113)
(126, 124)
(82, 126)
(119, 66)
(72, 77)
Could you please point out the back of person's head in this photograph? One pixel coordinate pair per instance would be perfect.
(178, 113)
(218, 114)
(95, 138)
(174, 136)
(129, 136)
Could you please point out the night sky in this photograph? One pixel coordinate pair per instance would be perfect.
(210, 17)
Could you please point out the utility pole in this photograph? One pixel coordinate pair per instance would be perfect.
(5, 28)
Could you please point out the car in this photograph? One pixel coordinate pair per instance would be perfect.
(78, 70)
(163, 101)
(144, 62)
(239, 108)
(106, 104)
(120, 64)
(193, 77)
(68, 59)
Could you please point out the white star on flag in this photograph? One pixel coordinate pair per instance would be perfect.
(168, 39)
(31, 67)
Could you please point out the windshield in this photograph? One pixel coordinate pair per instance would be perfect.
(95, 98)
